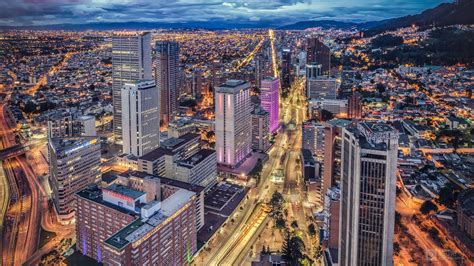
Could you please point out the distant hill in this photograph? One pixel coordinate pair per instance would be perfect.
(132, 25)
(301, 25)
(443, 15)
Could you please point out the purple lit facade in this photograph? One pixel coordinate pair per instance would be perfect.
(233, 125)
(269, 100)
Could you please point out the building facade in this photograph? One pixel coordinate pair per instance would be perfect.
(354, 106)
(156, 230)
(269, 100)
(131, 61)
(167, 71)
(140, 117)
(313, 138)
(367, 207)
(321, 88)
(74, 163)
(260, 130)
(233, 122)
(317, 51)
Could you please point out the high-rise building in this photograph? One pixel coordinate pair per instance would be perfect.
(260, 129)
(321, 88)
(199, 169)
(84, 125)
(318, 52)
(367, 207)
(313, 70)
(348, 82)
(313, 138)
(167, 70)
(270, 101)
(74, 163)
(233, 122)
(354, 106)
(137, 222)
(140, 117)
(197, 83)
(286, 68)
(131, 61)
(66, 124)
(60, 125)
(332, 153)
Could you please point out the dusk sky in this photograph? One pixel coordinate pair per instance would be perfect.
(41, 12)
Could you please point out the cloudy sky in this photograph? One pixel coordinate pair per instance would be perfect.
(42, 12)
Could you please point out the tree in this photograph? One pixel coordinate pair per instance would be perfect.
(311, 230)
(276, 204)
(380, 88)
(448, 195)
(280, 223)
(294, 224)
(296, 248)
(318, 252)
(292, 249)
(427, 207)
(285, 248)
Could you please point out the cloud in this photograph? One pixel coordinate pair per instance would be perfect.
(43, 12)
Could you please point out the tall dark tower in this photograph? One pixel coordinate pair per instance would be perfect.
(167, 67)
(318, 52)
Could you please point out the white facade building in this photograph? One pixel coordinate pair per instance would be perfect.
(74, 163)
(131, 61)
(233, 122)
(367, 212)
(140, 117)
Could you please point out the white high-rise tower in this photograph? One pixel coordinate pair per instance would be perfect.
(233, 122)
(367, 214)
(131, 61)
(140, 117)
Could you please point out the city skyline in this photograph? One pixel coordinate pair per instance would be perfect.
(253, 12)
(299, 145)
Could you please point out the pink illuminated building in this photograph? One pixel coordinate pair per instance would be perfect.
(233, 123)
(269, 99)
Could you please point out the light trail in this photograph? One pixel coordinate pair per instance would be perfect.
(249, 57)
(271, 34)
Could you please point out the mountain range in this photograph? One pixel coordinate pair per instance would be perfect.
(460, 12)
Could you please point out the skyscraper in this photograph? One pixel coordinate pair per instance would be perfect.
(131, 61)
(317, 51)
(269, 98)
(233, 122)
(286, 68)
(167, 68)
(73, 165)
(367, 208)
(260, 129)
(354, 106)
(313, 138)
(140, 117)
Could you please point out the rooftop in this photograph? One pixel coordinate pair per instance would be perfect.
(140, 228)
(197, 158)
(165, 181)
(155, 154)
(71, 144)
(94, 193)
(126, 191)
